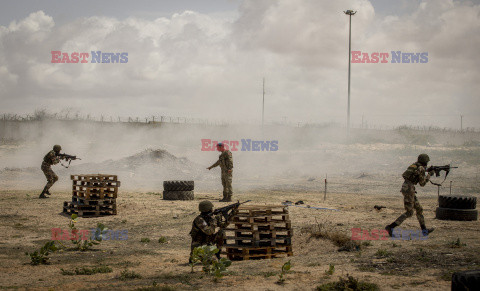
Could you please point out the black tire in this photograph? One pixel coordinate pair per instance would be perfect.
(178, 185)
(457, 202)
(466, 280)
(456, 214)
(177, 195)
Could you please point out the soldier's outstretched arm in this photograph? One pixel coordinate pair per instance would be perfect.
(214, 165)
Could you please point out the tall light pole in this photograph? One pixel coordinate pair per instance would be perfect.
(263, 101)
(350, 13)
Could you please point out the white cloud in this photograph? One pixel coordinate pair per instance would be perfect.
(202, 65)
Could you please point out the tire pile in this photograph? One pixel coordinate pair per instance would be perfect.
(457, 208)
(466, 280)
(178, 190)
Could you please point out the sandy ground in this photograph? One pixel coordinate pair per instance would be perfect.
(26, 222)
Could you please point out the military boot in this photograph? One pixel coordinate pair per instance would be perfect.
(46, 190)
(224, 199)
(426, 231)
(389, 228)
(42, 195)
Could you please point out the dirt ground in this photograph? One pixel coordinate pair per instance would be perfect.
(26, 224)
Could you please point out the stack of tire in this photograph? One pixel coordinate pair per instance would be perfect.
(457, 208)
(178, 190)
(466, 280)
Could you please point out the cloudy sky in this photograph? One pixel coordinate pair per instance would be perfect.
(207, 59)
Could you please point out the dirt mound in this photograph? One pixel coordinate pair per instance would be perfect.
(147, 168)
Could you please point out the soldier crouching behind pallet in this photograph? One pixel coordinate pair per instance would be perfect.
(50, 159)
(203, 229)
(413, 175)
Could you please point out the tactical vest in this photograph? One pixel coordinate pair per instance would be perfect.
(198, 235)
(47, 159)
(411, 174)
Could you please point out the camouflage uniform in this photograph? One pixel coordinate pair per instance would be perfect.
(49, 160)
(203, 232)
(225, 161)
(413, 175)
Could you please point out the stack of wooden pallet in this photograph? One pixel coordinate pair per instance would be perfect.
(259, 232)
(93, 195)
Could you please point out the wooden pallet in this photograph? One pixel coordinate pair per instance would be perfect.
(96, 190)
(89, 210)
(253, 242)
(263, 226)
(106, 183)
(94, 177)
(94, 193)
(93, 201)
(76, 206)
(235, 252)
(275, 232)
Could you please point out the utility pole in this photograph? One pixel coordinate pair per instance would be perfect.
(263, 102)
(461, 123)
(350, 13)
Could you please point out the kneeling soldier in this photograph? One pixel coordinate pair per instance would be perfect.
(203, 229)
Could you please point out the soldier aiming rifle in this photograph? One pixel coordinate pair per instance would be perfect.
(204, 226)
(53, 157)
(415, 174)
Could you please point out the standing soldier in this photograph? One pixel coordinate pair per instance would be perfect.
(413, 175)
(203, 229)
(50, 159)
(225, 161)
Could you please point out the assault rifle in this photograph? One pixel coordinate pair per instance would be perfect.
(228, 211)
(68, 158)
(438, 169)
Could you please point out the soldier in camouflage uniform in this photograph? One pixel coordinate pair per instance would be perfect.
(203, 228)
(413, 175)
(225, 161)
(49, 160)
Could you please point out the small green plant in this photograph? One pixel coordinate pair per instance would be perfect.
(394, 245)
(145, 240)
(456, 244)
(124, 221)
(128, 275)
(87, 270)
(205, 255)
(331, 270)
(40, 257)
(366, 243)
(285, 268)
(381, 253)
(85, 244)
(162, 240)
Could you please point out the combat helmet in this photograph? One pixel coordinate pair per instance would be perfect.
(57, 148)
(423, 159)
(205, 206)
